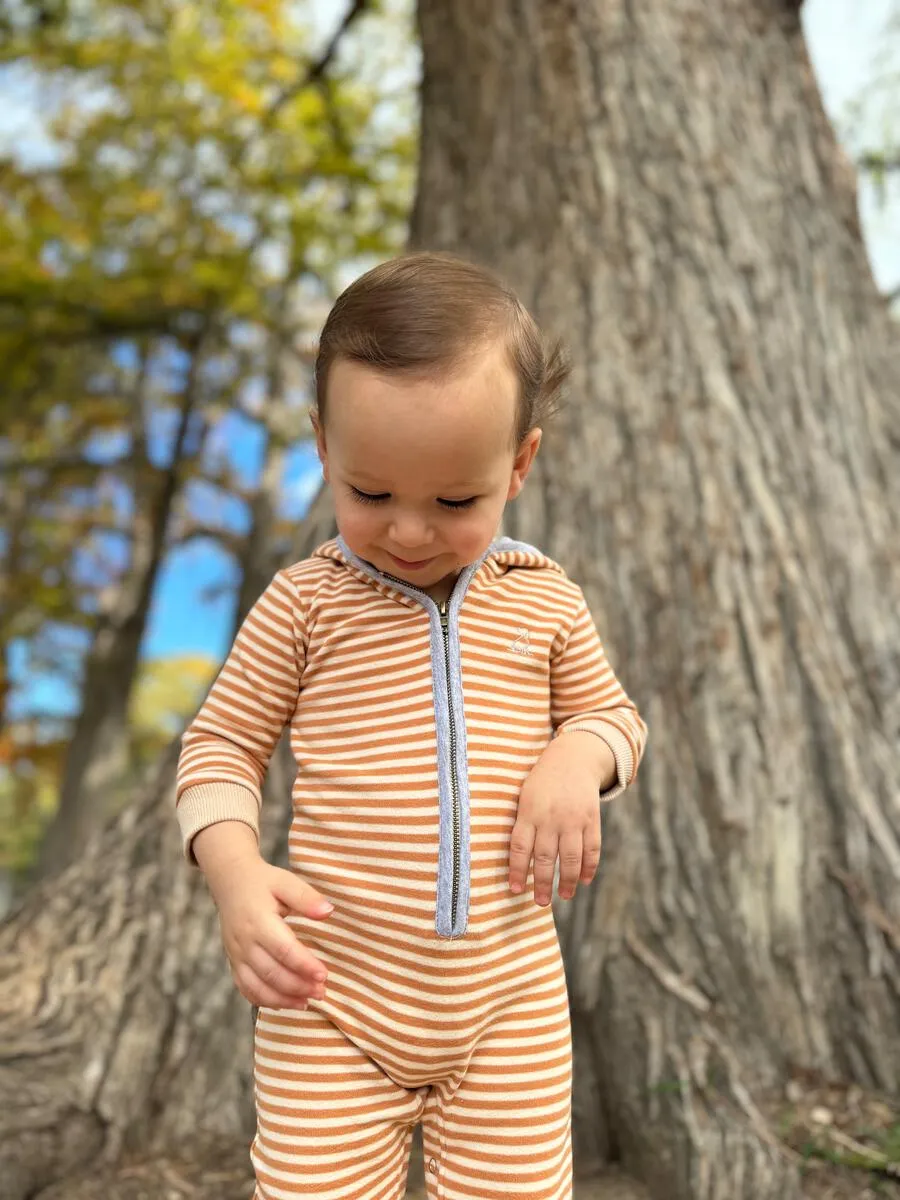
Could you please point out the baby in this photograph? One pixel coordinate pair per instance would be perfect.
(455, 725)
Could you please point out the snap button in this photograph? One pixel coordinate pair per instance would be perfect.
(432, 1166)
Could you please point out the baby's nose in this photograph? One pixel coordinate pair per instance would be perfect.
(410, 531)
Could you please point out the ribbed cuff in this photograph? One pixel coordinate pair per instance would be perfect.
(620, 746)
(208, 803)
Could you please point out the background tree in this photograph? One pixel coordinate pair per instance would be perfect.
(203, 196)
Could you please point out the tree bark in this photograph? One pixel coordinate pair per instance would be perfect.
(661, 184)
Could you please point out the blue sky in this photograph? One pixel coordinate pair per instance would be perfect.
(181, 621)
(843, 38)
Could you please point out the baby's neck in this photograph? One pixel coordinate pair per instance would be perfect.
(440, 591)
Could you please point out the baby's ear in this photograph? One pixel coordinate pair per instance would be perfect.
(528, 448)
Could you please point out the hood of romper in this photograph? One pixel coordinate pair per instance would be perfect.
(508, 554)
(504, 554)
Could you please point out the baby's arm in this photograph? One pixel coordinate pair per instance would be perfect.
(225, 754)
(586, 695)
(226, 749)
(558, 813)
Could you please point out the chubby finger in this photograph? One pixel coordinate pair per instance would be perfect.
(521, 843)
(546, 845)
(300, 897)
(590, 855)
(571, 846)
(280, 942)
(261, 994)
(274, 975)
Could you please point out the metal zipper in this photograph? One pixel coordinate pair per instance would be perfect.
(454, 782)
(444, 613)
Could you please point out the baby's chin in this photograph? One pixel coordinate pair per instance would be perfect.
(441, 574)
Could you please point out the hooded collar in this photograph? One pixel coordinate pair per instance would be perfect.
(502, 555)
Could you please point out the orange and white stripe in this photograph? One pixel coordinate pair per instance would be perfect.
(413, 732)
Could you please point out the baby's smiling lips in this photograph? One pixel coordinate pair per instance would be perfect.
(407, 565)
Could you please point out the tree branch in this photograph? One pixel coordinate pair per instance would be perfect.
(136, 420)
(98, 323)
(227, 538)
(670, 980)
(318, 68)
(58, 465)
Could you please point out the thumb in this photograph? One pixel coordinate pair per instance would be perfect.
(297, 896)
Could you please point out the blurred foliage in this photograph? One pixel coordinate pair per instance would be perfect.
(167, 694)
(28, 787)
(216, 171)
(871, 127)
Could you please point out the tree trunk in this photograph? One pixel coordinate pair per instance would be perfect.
(97, 755)
(661, 184)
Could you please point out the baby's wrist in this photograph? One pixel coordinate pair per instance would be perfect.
(222, 848)
(595, 752)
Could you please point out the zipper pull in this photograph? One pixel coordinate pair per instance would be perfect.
(444, 614)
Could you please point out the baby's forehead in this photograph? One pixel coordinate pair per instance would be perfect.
(481, 386)
(428, 473)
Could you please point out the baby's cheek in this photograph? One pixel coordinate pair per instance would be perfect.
(353, 527)
(471, 543)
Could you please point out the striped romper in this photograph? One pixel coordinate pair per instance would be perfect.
(413, 726)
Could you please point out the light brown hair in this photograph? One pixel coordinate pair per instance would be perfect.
(425, 314)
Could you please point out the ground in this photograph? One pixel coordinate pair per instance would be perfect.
(230, 1180)
(846, 1141)
(609, 1187)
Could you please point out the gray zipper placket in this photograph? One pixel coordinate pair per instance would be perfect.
(444, 610)
(454, 851)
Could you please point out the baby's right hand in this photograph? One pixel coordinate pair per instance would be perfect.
(269, 965)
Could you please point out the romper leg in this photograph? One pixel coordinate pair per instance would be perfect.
(504, 1129)
(330, 1123)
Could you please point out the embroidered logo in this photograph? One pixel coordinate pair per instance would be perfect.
(521, 645)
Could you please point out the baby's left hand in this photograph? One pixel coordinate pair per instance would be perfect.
(559, 816)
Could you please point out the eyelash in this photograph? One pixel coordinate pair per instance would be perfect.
(451, 505)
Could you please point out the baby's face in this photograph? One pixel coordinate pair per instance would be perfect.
(422, 469)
